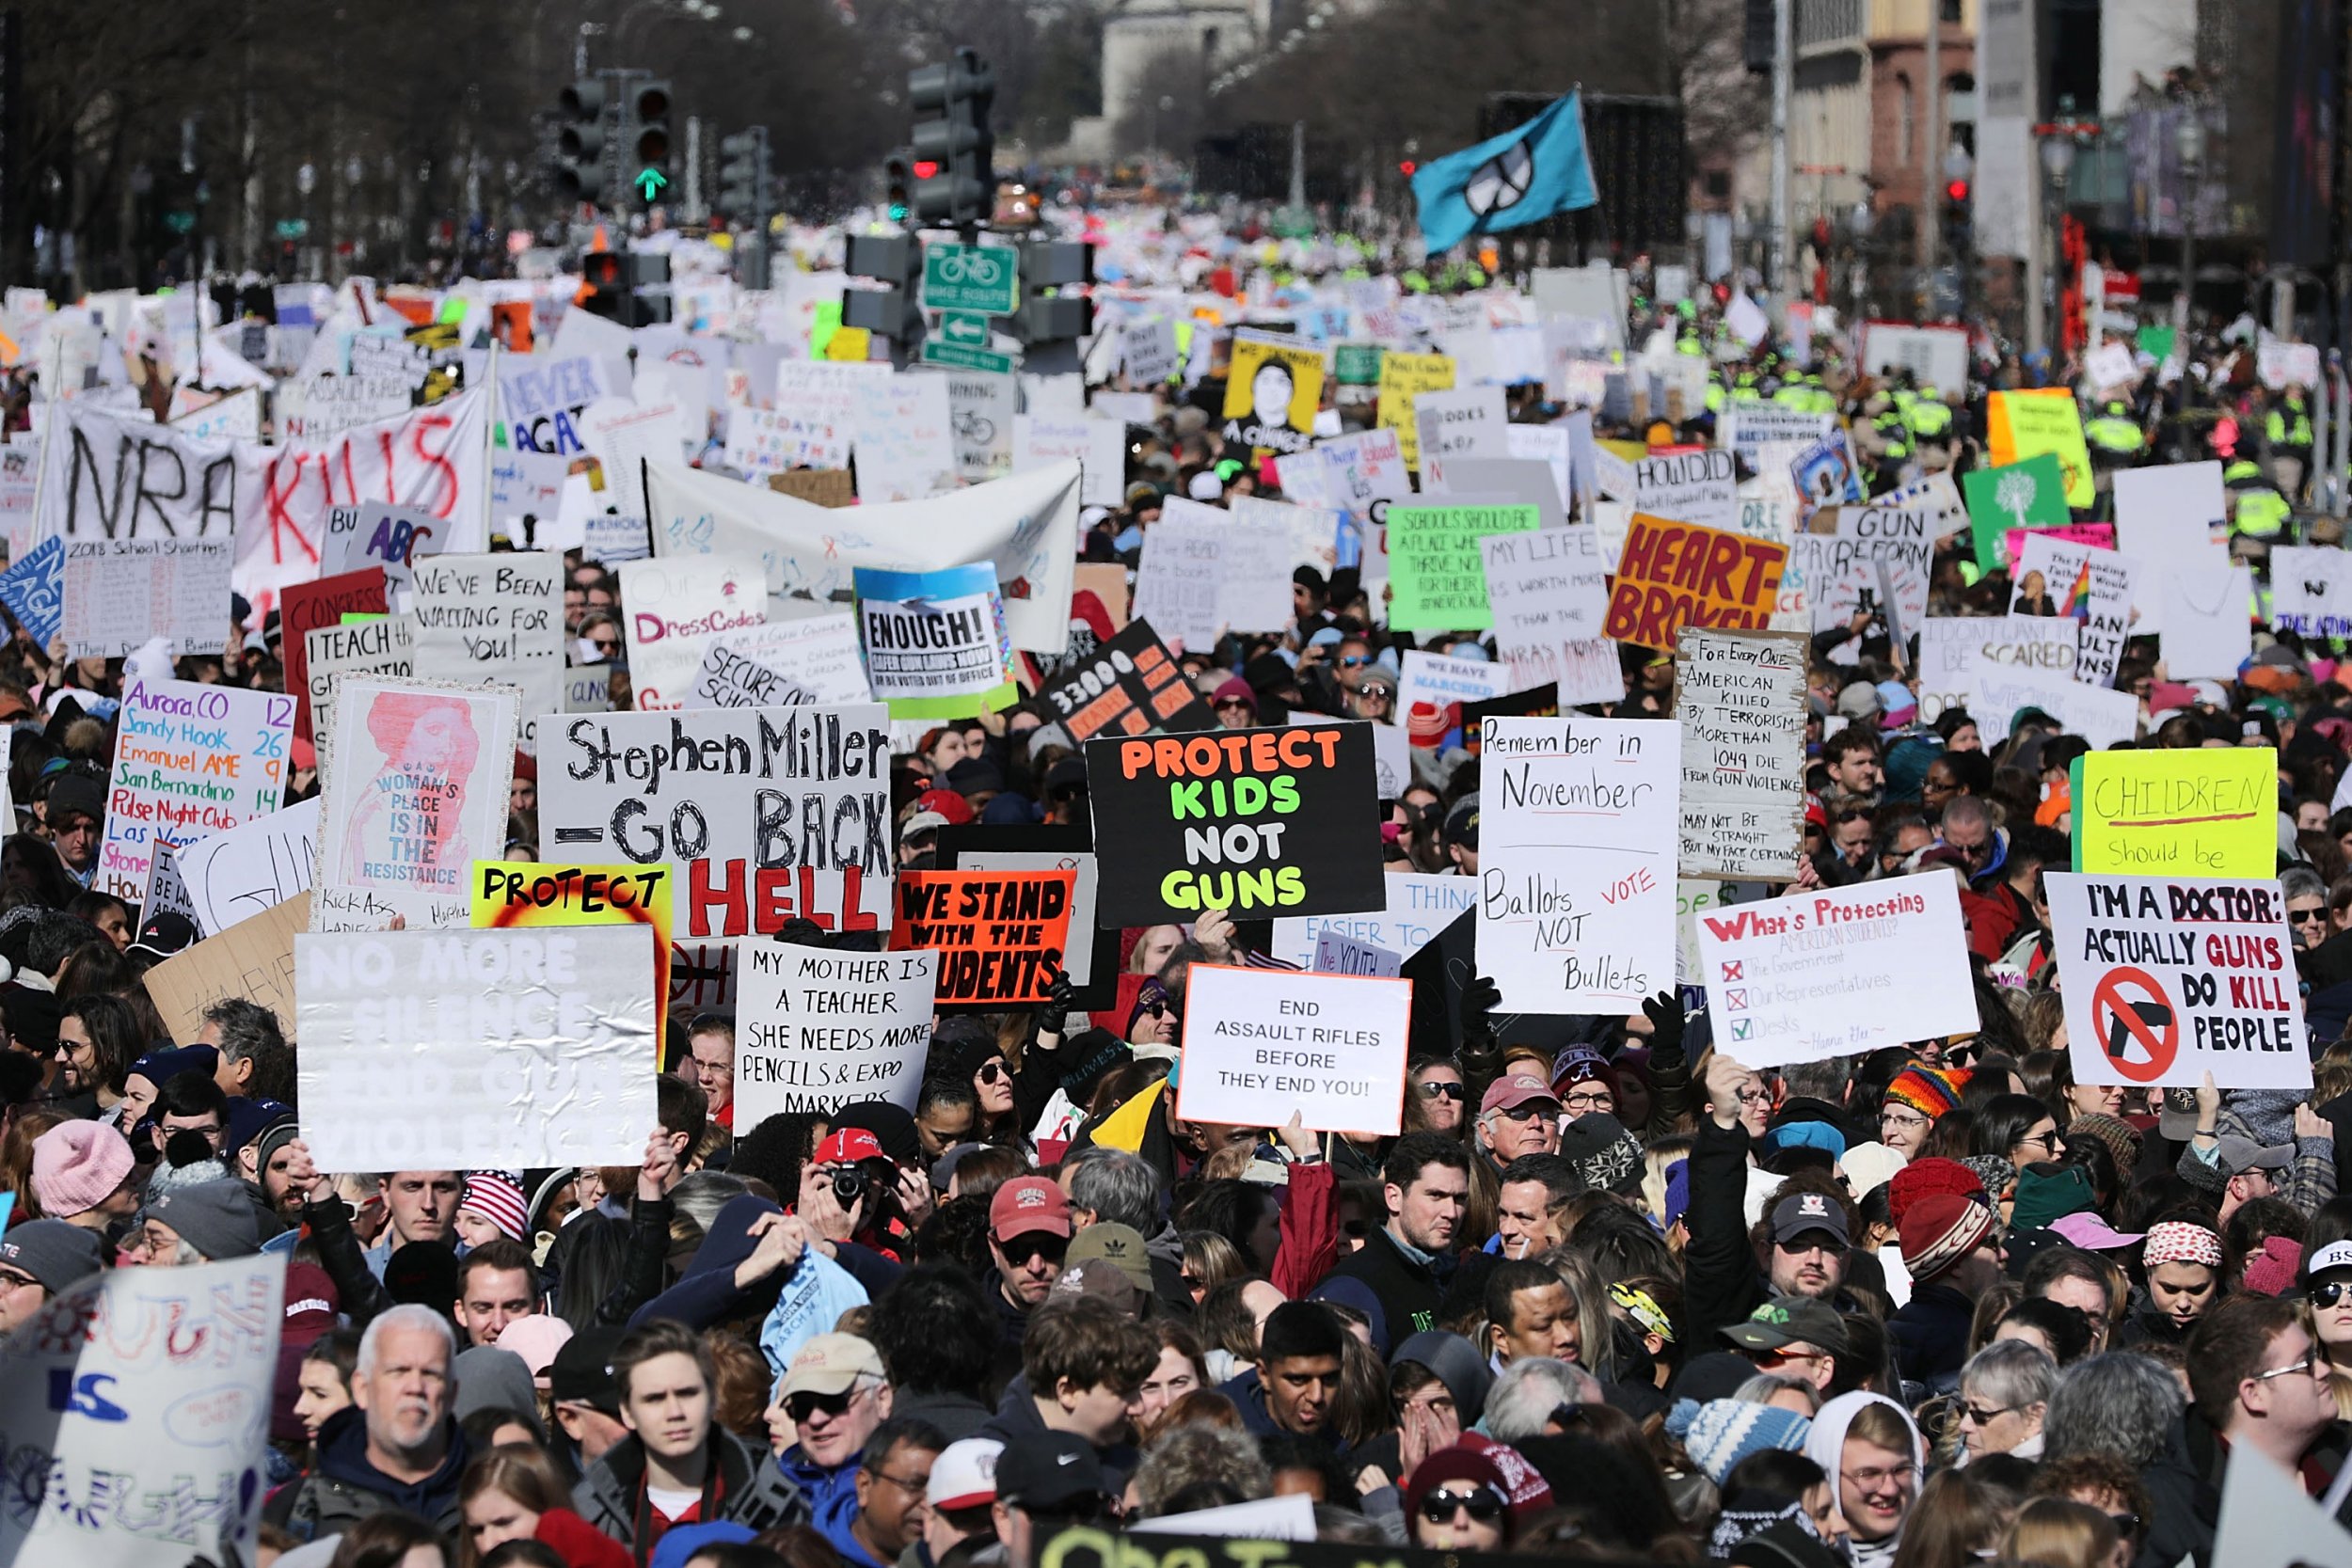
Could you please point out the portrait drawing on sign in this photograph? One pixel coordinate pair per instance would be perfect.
(408, 826)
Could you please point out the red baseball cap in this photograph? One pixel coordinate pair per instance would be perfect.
(848, 1147)
(1509, 1094)
(950, 804)
(1027, 1203)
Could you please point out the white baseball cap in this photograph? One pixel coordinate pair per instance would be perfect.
(965, 1473)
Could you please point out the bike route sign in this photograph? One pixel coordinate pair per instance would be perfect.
(971, 278)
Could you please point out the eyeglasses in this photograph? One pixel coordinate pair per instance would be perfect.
(1756, 1097)
(13, 1279)
(991, 1071)
(1485, 1506)
(2309, 1364)
(1019, 1251)
(1985, 1418)
(1585, 1103)
(1773, 1359)
(1895, 1475)
(917, 1484)
(801, 1406)
(2125, 1524)
(2329, 1291)
(1902, 1119)
(1438, 1088)
(1354, 661)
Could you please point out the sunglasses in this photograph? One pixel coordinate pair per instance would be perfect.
(801, 1406)
(1021, 1249)
(1234, 702)
(603, 644)
(2329, 1291)
(1439, 1089)
(1157, 1009)
(1532, 1110)
(989, 1071)
(1483, 1506)
(1354, 661)
(2308, 917)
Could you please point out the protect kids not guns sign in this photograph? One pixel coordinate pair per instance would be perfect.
(1277, 821)
(2171, 979)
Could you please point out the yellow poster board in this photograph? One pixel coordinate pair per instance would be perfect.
(1271, 394)
(850, 344)
(2027, 424)
(1403, 378)
(2207, 812)
(512, 894)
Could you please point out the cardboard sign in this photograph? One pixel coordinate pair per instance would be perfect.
(470, 1050)
(528, 895)
(418, 792)
(253, 960)
(149, 1442)
(770, 812)
(1740, 698)
(1130, 684)
(2025, 425)
(1435, 568)
(676, 606)
(1700, 488)
(826, 488)
(1271, 395)
(1419, 906)
(999, 934)
(1955, 652)
(1330, 1048)
(2092, 588)
(190, 760)
(119, 593)
(1405, 377)
(381, 647)
(2210, 813)
(1339, 955)
(817, 1029)
(1548, 591)
(303, 608)
(1580, 821)
(493, 617)
(228, 878)
(1430, 689)
(1274, 821)
(1671, 573)
(1838, 971)
(2169, 978)
(779, 663)
(1871, 541)
(33, 588)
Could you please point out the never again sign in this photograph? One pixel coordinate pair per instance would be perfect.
(1000, 935)
(1260, 823)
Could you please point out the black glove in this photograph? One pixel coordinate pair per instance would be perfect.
(1059, 998)
(1479, 999)
(802, 932)
(1665, 1012)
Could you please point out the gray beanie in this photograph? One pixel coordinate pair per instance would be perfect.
(214, 1217)
(489, 1378)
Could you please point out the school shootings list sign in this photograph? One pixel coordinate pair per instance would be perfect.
(1278, 821)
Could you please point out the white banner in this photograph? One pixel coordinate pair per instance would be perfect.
(1027, 523)
(1580, 821)
(1838, 971)
(2171, 979)
(477, 1049)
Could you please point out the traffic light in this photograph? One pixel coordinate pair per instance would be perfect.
(899, 185)
(1055, 264)
(895, 312)
(962, 190)
(579, 145)
(604, 277)
(649, 140)
(743, 196)
(649, 287)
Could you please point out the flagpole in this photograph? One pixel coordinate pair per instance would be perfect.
(1784, 75)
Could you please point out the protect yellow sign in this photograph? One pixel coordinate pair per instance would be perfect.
(2027, 424)
(2211, 813)
(1271, 395)
(512, 894)
(1403, 378)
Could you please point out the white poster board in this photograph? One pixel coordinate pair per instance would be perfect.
(1579, 823)
(674, 607)
(1740, 698)
(813, 660)
(465, 1049)
(1835, 972)
(119, 593)
(1329, 1048)
(2171, 977)
(493, 617)
(235, 875)
(189, 760)
(1420, 906)
(1550, 594)
(1700, 488)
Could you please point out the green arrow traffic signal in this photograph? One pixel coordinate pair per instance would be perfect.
(649, 180)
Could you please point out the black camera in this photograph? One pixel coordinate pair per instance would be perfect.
(848, 1184)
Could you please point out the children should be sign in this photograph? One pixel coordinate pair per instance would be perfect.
(2171, 979)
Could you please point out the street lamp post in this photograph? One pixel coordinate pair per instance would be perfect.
(2188, 140)
(2058, 162)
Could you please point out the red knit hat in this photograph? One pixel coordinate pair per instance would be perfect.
(1930, 1178)
(1928, 1090)
(1452, 1463)
(1939, 1232)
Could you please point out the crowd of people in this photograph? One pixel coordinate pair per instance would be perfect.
(1608, 1293)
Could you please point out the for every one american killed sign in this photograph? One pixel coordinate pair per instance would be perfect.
(1277, 821)
(2171, 979)
(1740, 697)
(775, 813)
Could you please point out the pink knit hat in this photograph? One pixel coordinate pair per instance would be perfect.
(497, 1197)
(78, 1165)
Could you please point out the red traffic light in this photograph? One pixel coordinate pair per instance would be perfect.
(925, 168)
(1957, 191)
(1406, 167)
(601, 269)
